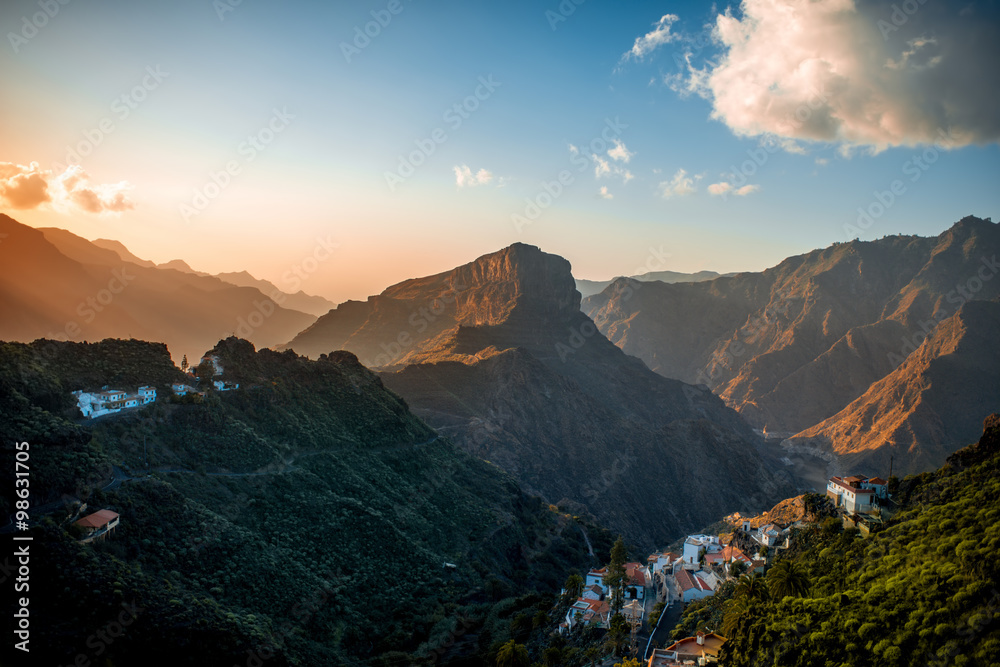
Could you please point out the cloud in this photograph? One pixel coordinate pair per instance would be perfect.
(864, 75)
(725, 189)
(29, 187)
(620, 153)
(681, 184)
(651, 40)
(604, 167)
(464, 177)
(604, 194)
(23, 186)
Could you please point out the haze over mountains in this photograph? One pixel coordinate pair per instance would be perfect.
(793, 346)
(497, 355)
(59, 285)
(591, 287)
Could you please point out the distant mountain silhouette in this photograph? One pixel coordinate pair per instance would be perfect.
(591, 287)
(497, 355)
(58, 285)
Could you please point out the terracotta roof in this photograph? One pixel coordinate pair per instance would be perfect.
(842, 482)
(877, 480)
(98, 519)
(690, 646)
(688, 581)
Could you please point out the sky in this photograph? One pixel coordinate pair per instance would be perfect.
(359, 144)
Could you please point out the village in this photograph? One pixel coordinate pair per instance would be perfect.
(93, 404)
(670, 580)
(660, 588)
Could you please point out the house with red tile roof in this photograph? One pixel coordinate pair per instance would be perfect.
(701, 649)
(693, 585)
(589, 612)
(856, 494)
(97, 525)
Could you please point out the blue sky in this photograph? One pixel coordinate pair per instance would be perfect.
(343, 125)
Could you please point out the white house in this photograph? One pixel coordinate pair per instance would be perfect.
(147, 395)
(635, 587)
(589, 612)
(97, 404)
(769, 535)
(851, 494)
(657, 561)
(696, 545)
(594, 592)
(596, 578)
(221, 385)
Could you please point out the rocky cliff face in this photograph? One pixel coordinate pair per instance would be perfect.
(793, 345)
(497, 355)
(927, 407)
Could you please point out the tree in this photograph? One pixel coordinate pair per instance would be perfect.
(787, 578)
(617, 577)
(512, 654)
(552, 656)
(737, 568)
(629, 662)
(573, 586)
(654, 616)
(617, 639)
(751, 587)
(205, 370)
(184, 363)
(762, 552)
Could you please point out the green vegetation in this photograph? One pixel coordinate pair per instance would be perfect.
(307, 517)
(920, 591)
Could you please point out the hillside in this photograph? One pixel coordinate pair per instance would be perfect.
(58, 285)
(497, 355)
(925, 408)
(921, 591)
(272, 521)
(793, 345)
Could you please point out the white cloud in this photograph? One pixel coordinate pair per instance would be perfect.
(659, 35)
(620, 153)
(724, 189)
(681, 184)
(719, 188)
(822, 161)
(864, 75)
(604, 194)
(30, 186)
(464, 177)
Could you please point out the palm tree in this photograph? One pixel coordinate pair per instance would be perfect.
(573, 586)
(512, 654)
(751, 587)
(735, 609)
(787, 578)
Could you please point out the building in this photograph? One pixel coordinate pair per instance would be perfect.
(702, 649)
(107, 401)
(769, 534)
(729, 555)
(692, 585)
(657, 561)
(696, 545)
(98, 525)
(854, 494)
(589, 612)
(181, 389)
(594, 592)
(221, 385)
(635, 587)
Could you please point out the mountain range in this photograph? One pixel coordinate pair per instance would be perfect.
(61, 286)
(815, 347)
(497, 355)
(591, 287)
